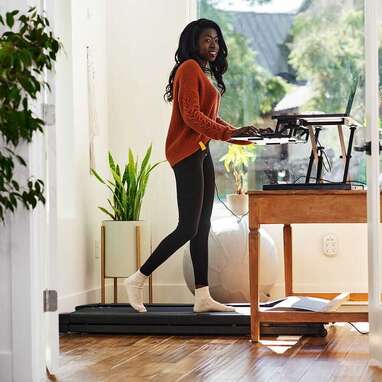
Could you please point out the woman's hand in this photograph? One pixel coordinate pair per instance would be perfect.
(245, 131)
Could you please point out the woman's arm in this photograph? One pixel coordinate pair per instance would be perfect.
(189, 105)
(234, 141)
(223, 122)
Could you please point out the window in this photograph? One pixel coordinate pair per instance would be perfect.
(300, 59)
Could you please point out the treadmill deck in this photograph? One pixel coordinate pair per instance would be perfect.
(172, 319)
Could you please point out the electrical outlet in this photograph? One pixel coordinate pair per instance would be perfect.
(96, 249)
(330, 245)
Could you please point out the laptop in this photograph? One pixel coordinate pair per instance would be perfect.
(349, 105)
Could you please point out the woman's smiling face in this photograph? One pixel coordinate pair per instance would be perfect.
(208, 44)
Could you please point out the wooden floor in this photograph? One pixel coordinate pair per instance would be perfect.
(341, 356)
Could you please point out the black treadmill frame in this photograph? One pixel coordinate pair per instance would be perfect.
(172, 319)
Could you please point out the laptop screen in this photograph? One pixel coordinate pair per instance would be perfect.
(352, 95)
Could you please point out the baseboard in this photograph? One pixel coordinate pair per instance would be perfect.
(167, 293)
(69, 302)
(163, 293)
(5, 366)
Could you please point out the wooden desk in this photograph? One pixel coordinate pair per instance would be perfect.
(301, 207)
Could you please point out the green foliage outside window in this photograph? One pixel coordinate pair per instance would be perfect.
(326, 45)
(251, 90)
(328, 49)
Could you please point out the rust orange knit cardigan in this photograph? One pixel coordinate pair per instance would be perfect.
(194, 116)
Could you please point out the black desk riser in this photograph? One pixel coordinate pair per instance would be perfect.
(313, 124)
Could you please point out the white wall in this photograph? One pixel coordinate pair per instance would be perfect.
(83, 24)
(315, 272)
(133, 44)
(142, 37)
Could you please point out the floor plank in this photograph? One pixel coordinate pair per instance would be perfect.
(341, 356)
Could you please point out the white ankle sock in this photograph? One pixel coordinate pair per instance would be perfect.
(205, 303)
(134, 288)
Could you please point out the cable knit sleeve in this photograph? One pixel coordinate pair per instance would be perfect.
(189, 105)
(234, 141)
(223, 122)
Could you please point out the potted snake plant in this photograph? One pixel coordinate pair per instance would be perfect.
(236, 162)
(127, 189)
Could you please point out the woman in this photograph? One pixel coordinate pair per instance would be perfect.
(201, 56)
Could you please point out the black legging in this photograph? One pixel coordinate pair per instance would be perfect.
(195, 183)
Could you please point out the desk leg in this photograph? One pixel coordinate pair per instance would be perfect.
(288, 260)
(254, 250)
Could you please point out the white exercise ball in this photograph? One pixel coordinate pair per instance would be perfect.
(228, 268)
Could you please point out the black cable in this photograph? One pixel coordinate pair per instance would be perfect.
(330, 169)
(326, 157)
(302, 176)
(363, 333)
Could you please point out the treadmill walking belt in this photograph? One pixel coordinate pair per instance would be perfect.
(173, 319)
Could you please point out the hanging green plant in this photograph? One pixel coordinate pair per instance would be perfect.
(27, 48)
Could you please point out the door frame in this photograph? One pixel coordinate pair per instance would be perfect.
(33, 251)
(373, 171)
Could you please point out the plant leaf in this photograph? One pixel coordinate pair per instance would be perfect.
(106, 212)
(94, 172)
(111, 162)
(10, 19)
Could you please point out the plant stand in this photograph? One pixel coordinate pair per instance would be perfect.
(138, 264)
